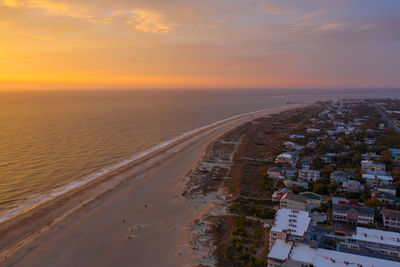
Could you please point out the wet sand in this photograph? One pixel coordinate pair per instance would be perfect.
(134, 216)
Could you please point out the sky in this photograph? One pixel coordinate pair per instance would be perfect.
(74, 44)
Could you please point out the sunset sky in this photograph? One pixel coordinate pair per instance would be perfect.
(52, 44)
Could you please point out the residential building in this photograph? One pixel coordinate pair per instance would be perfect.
(313, 200)
(395, 153)
(311, 144)
(377, 177)
(386, 197)
(285, 158)
(289, 145)
(369, 141)
(294, 202)
(306, 163)
(339, 200)
(278, 194)
(296, 136)
(289, 172)
(391, 219)
(309, 175)
(302, 255)
(295, 156)
(370, 155)
(274, 173)
(289, 182)
(370, 165)
(387, 188)
(352, 186)
(344, 201)
(382, 242)
(328, 157)
(355, 215)
(289, 225)
(339, 177)
(313, 130)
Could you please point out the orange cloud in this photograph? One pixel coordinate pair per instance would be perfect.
(149, 21)
(314, 14)
(51, 7)
(331, 27)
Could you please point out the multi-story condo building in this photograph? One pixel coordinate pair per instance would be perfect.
(290, 254)
(309, 175)
(377, 177)
(352, 186)
(391, 189)
(382, 242)
(293, 202)
(339, 177)
(289, 225)
(350, 214)
(370, 165)
(391, 219)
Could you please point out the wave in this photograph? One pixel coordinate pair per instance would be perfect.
(38, 199)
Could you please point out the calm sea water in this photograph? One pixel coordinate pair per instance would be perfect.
(49, 139)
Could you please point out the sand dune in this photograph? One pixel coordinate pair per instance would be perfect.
(133, 216)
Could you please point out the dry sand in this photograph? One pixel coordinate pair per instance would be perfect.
(134, 216)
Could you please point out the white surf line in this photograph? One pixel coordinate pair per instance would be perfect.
(109, 185)
(40, 199)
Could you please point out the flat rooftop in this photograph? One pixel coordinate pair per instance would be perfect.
(280, 250)
(293, 221)
(377, 236)
(323, 257)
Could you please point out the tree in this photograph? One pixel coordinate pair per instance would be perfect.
(318, 163)
(332, 186)
(320, 188)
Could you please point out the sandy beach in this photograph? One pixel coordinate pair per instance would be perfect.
(133, 216)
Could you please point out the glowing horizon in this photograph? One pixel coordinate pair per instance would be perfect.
(71, 44)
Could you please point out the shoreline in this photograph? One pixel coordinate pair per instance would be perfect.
(230, 171)
(42, 198)
(48, 214)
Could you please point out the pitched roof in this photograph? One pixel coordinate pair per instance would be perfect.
(298, 198)
(391, 187)
(311, 195)
(385, 195)
(346, 208)
(391, 213)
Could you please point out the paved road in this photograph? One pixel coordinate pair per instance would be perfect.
(385, 118)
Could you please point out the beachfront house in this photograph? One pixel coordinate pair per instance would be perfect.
(289, 225)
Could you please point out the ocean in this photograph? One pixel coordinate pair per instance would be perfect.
(52, 141)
